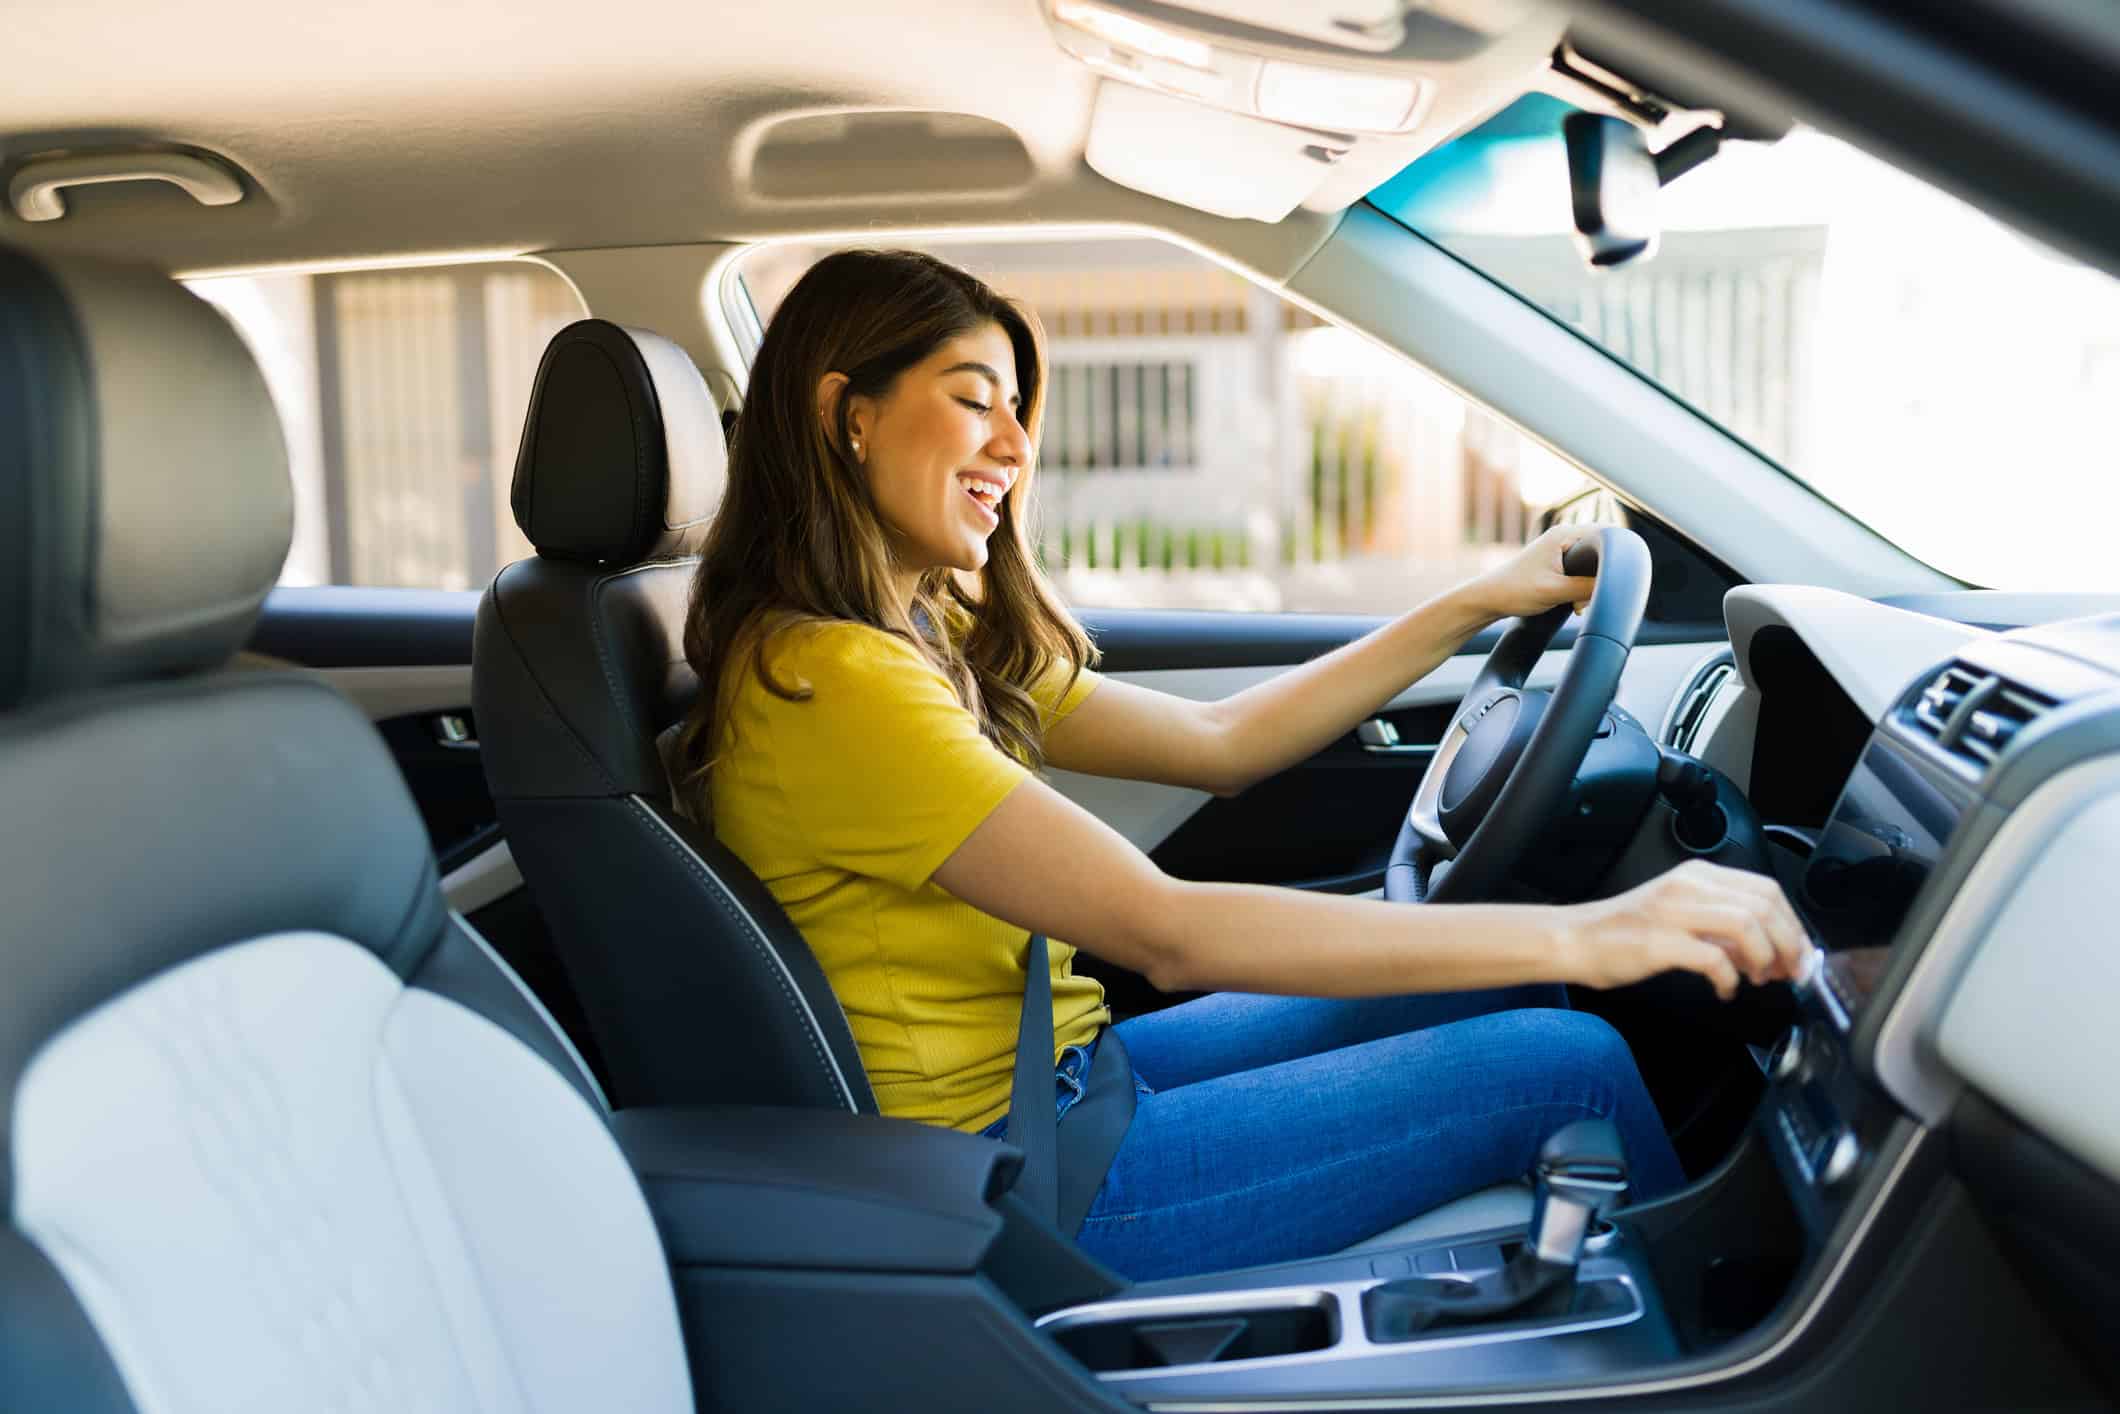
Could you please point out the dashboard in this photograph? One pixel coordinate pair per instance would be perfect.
(1945, 802)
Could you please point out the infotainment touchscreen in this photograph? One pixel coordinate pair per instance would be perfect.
(1895, 815)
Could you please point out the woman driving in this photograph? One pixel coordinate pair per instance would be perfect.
(884, 671)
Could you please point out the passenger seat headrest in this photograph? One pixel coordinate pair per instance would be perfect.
(622, 457)
(145, 506)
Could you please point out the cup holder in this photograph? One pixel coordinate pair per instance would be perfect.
(1157, 1339)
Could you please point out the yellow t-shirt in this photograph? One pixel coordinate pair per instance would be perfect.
(845, 804)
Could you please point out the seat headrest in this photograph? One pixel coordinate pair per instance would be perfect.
(145, 506)
(622, 457)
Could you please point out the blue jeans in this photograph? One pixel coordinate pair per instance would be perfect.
(1273, 1128)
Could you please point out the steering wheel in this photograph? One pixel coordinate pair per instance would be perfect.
(1504, 765)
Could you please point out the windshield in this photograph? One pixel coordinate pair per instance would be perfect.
(1941, 378)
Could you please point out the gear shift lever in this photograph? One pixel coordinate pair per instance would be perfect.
(1581, 1172)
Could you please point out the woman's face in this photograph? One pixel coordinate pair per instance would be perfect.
(943, 448)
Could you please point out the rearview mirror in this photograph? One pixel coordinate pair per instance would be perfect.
(1613, 183)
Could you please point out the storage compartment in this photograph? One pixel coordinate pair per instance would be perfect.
(1286, 1324)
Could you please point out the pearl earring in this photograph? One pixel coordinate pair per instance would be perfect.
(856, 445)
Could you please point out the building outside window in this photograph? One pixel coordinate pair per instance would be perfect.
(1208, 445)
(402, 393)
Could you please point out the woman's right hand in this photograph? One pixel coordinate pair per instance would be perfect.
(1719, 922)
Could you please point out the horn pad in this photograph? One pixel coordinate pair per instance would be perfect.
(1500, 732)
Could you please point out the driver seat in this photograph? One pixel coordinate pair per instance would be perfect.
(695, 985)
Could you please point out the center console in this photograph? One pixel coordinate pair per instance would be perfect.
(1331, 1332)
(1895, 816)
(1568, 1297)
(855, 1261)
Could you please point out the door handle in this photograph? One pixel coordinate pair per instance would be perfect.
(454, 730)
(1381, 738)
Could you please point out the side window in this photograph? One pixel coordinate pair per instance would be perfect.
(1208, 445)
(402, 393)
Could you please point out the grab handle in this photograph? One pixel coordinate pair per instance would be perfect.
(35, 188)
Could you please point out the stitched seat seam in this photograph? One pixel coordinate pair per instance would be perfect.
(749, 930)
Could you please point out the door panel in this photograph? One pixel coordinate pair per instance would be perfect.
(1361, 794)
(409, 706)
(402, 690)
(1343, 776)
(344, 626)
(1144, 640)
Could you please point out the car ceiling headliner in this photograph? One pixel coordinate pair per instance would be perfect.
(399, 129)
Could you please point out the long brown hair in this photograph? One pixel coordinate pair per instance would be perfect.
(798, 537)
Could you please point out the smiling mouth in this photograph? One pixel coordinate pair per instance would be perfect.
(985, 495)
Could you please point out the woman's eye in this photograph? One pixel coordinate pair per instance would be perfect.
(981, 408)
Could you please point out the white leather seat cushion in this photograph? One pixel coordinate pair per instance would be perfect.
(278, 1179)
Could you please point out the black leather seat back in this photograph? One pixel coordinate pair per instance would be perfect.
(696, 986)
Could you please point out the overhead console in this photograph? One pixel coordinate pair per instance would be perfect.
(1248, 109)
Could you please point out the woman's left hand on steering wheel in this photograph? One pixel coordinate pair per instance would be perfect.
(1532, 581)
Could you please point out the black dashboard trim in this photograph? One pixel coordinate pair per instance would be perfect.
(346, 626)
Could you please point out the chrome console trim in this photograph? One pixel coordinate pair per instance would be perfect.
(1343, 1301)
(1688, 684)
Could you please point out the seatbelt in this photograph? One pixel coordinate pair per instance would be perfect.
(1033, 1124)
(1096, 1124)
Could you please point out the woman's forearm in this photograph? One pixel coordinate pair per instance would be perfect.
(1272, 726)
(1048, 866)
(1257, 938)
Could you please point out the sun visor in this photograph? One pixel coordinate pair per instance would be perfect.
(1222, 163)
(857, 154)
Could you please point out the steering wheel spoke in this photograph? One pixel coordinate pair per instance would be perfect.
(1425, 816)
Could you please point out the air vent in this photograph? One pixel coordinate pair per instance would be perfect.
(1693, 705)
(1995, 721)
(1940, 698)
(1974, 716)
